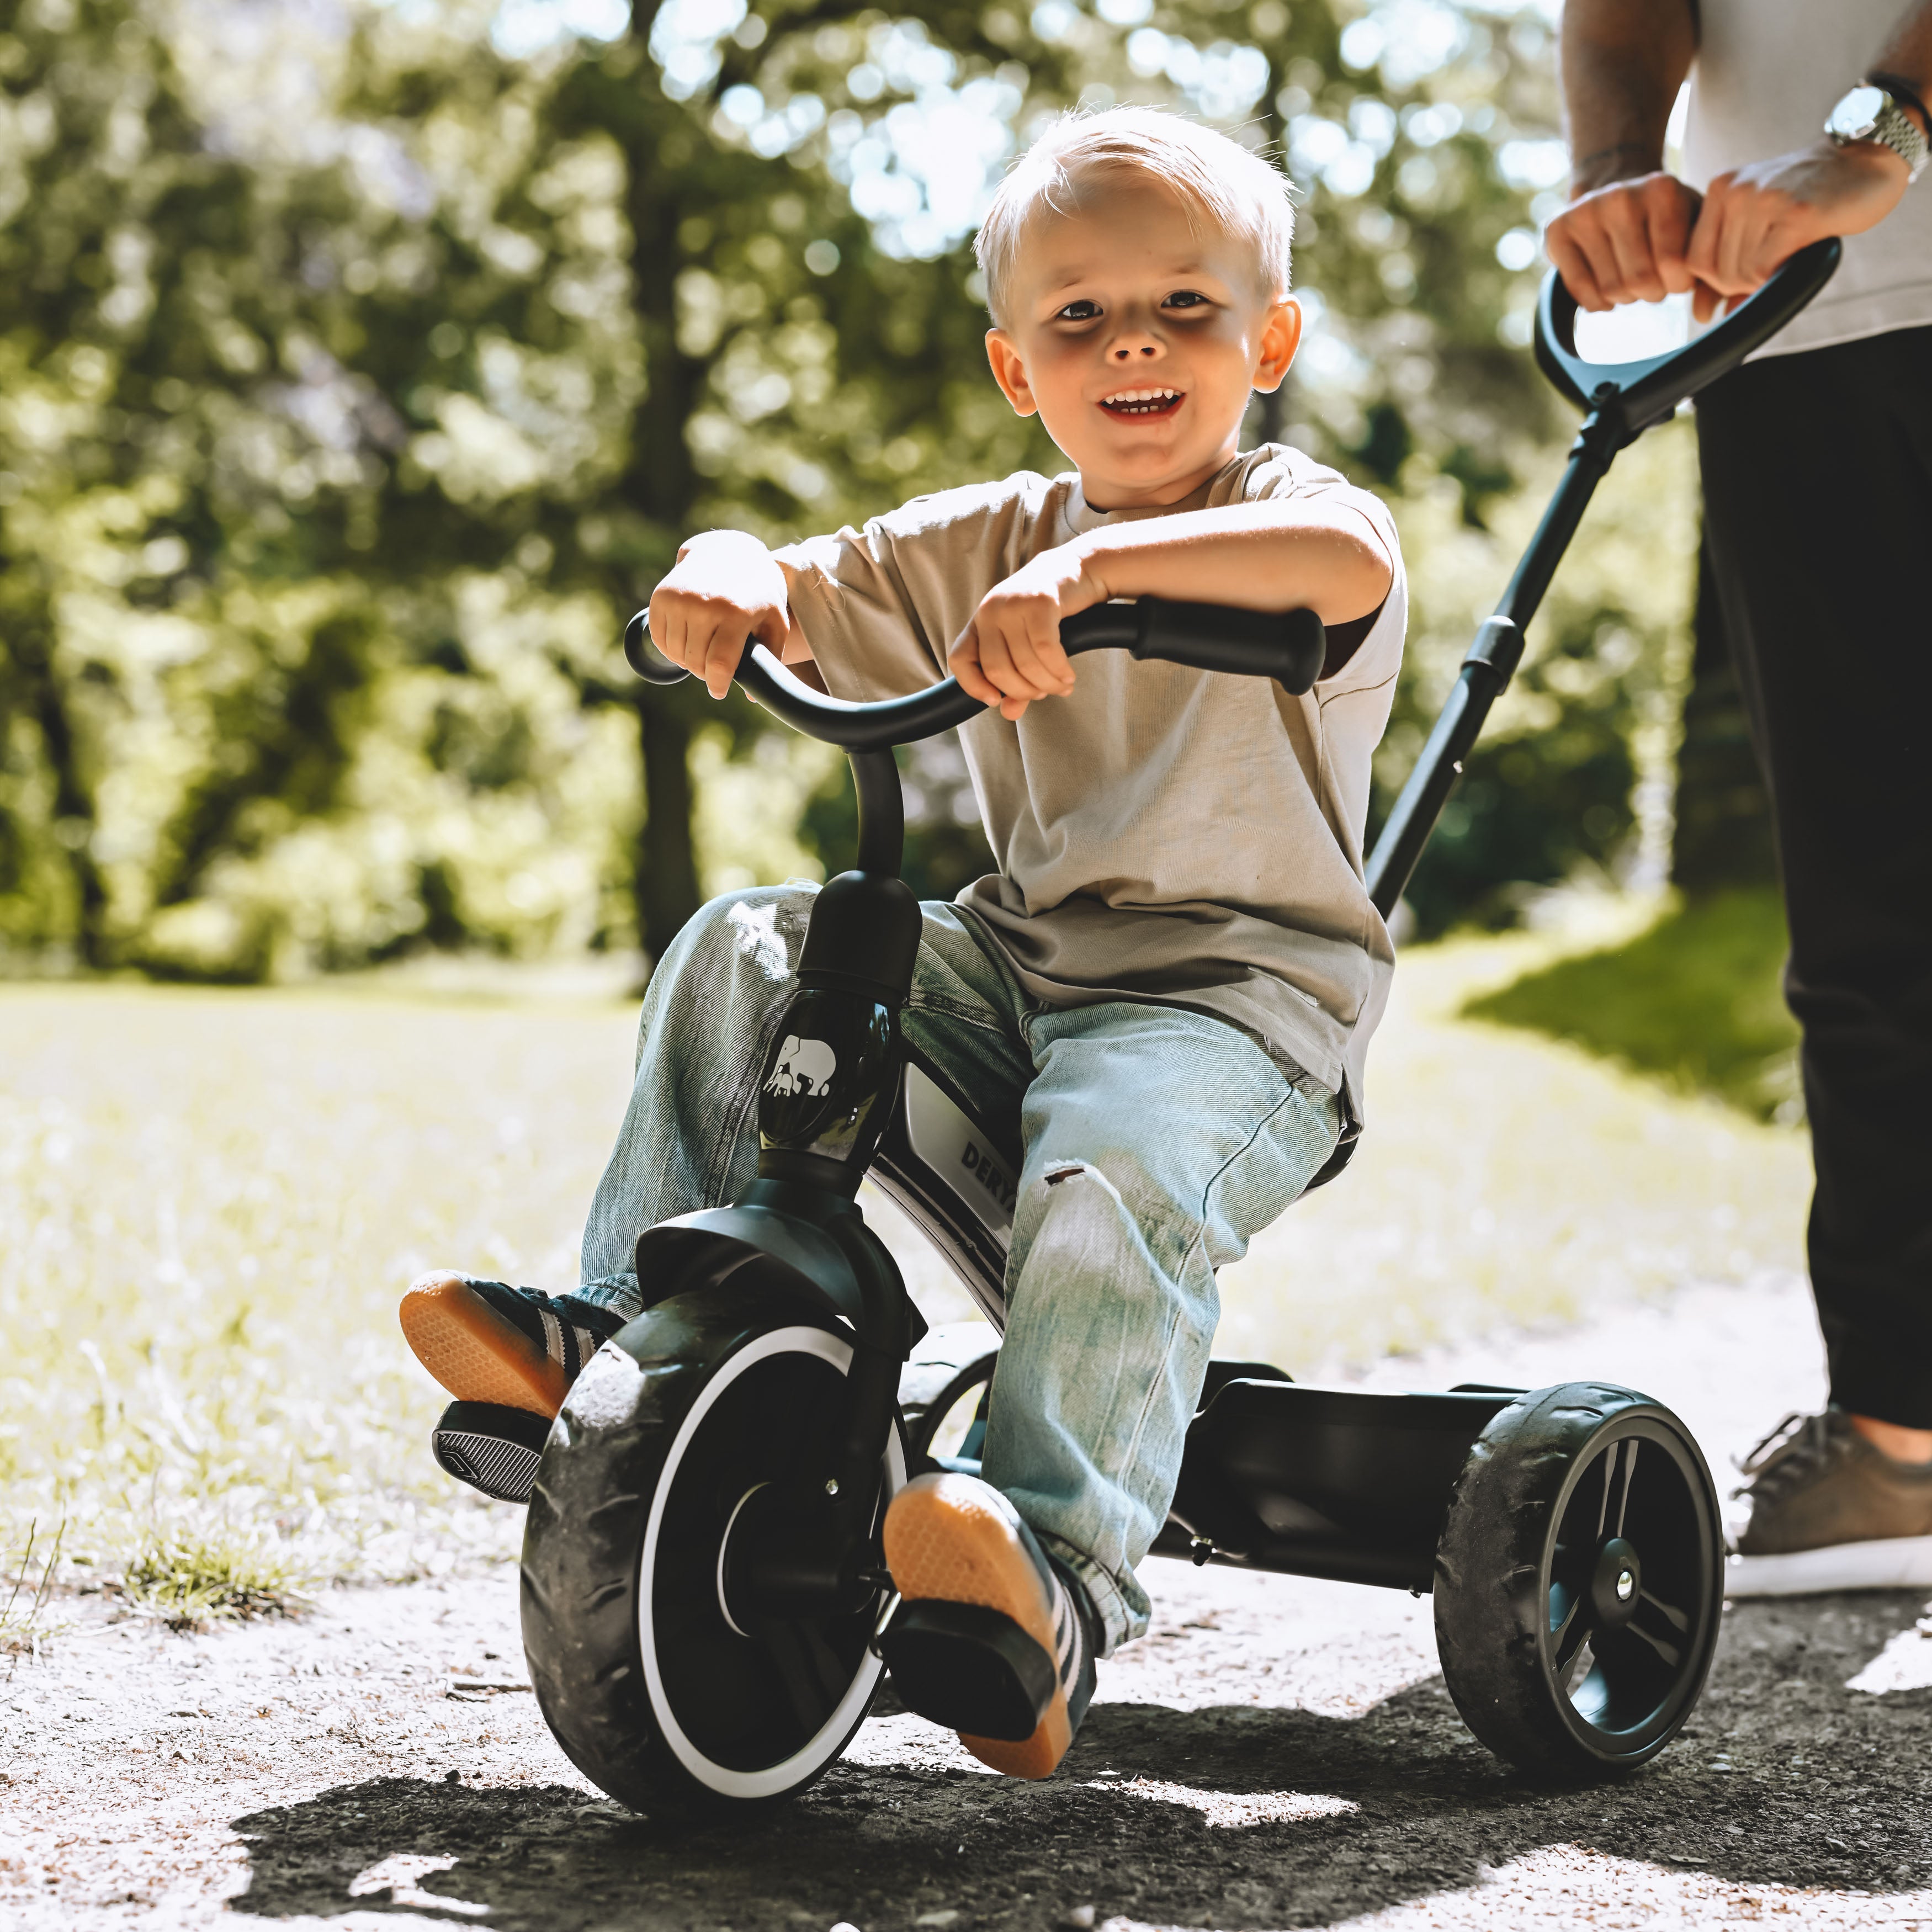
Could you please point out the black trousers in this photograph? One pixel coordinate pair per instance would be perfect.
(1818, 500)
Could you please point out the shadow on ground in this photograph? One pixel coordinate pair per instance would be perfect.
(1783, 1777)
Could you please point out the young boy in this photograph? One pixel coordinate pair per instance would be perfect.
(1175, 971)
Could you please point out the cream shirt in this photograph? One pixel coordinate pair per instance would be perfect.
(1767, 73)
(1179, 837)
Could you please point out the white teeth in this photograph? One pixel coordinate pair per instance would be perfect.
(1143, 396)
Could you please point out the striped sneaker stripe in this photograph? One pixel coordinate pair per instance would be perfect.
(553, 1337)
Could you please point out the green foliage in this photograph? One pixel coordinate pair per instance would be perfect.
(1697, 1000)
(1574, 771)
(358, 375)
(293, 419)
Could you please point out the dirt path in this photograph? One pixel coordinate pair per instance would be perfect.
(1277, 1753)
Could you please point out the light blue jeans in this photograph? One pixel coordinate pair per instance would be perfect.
(1157, 1143)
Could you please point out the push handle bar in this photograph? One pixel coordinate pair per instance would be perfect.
(1288, 646)
(1646, 391)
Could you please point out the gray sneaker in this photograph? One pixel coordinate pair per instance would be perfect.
(1829, 1511)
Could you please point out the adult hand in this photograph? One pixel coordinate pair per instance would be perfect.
(725, 586)
(1627, 241)
(1010, 653)
(1755, 218)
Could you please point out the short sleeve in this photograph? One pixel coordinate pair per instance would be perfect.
(881, 606)
(1278, 470)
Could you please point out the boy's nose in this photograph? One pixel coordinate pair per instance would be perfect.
(1125, 351)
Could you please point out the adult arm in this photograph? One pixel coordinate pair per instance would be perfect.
(1634, 233)
(1626, 235)
(1756, 217)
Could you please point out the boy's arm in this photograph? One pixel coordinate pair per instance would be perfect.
(1279, 553)
(724, 587)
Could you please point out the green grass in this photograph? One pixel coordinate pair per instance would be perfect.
(25, 1619)
(1696, 1000)
(210, 1202)
(191, 1581)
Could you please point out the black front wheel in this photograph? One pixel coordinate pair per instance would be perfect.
(657, 1691)
(1579, 1581)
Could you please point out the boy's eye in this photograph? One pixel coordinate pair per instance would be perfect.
(1082, 310)
(1185, 298)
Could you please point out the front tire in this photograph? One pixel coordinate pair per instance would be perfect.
(651, 1686)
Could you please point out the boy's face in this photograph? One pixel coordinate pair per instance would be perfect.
(1137, 335)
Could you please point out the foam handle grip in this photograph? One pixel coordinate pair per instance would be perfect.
(1288, 646)
(642, 656)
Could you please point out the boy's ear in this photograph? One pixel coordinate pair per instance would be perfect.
(1009, 372)
(1281, 336)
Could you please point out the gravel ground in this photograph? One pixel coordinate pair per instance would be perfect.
(1277, 1753)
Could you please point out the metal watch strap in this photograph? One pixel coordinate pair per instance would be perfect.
(1905, 95)
(1894, 128)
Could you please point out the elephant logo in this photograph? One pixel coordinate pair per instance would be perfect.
(804, 1066)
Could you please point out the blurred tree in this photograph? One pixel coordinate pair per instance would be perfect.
(274, 509)
(798, 373)
(363, 368)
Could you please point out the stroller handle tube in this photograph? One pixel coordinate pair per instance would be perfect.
(1288, 646)
(1621, 400)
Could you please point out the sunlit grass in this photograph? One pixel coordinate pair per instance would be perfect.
(224, 1576)
(1510, 1179)
(27, 1580)
(210, 1203)
(1696, 999)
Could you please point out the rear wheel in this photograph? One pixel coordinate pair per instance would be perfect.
(1579, 1581)
(943, 1392)
(657, 1691)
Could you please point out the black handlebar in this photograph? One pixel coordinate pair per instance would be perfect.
(1288, 646)
(1647, 391)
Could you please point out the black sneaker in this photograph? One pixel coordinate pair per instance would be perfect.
(491, 1448)
(992, 1638)
(504, 1347)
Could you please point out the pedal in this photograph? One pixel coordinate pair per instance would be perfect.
(490, 1447)
(968, 1669)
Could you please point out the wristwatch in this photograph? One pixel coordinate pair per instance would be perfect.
(1869, 113)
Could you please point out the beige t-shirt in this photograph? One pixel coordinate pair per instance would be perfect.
(1181, 837)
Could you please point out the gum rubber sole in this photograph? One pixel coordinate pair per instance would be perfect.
(1892, 1563)
(945, 1539)
(474, 1353)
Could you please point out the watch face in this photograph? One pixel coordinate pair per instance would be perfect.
(1857, 114)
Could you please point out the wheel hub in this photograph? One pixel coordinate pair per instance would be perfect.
(1618, 1583)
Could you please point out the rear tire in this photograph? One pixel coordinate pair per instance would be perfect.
(947, 1366)
(1579, 1581)
(652, 1688)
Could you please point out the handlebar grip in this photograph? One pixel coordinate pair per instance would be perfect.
(641, 654)
(1288, 646)
(1649, 391)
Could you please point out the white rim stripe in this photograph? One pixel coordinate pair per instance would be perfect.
(751, 1784)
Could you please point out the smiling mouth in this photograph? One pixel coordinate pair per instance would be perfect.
(1141, 404)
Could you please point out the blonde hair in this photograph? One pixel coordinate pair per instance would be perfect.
(1222, 183)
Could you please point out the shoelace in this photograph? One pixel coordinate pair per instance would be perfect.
(1798, 1445)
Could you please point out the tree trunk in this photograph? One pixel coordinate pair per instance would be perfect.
(660, 483)
(73, 806)
(1723, 836)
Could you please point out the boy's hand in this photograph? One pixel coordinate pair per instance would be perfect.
(725, 586)
(1009, 654)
